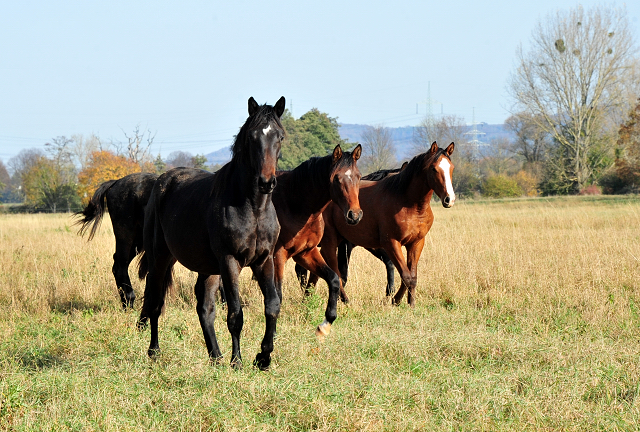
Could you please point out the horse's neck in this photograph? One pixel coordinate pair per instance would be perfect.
(309, 194)
(244, 183)
(418, 193)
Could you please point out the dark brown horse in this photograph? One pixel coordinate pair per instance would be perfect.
(397, 213)
(345, 248)
(300, 198)
(218, 224)
(126, 200)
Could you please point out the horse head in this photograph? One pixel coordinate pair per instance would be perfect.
(439, 174)
(265, 135)
(345, 183)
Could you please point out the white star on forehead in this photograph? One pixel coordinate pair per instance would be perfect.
(266, 130)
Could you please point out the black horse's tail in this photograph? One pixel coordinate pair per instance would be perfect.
(153, 299)
(91, 217)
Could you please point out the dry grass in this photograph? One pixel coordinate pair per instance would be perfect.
(527, 319)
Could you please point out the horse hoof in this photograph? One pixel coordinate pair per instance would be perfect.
(344, 299)
(216, 361)
(262, 361)
(153, 353)
(236, 363)
(323, 330)
(142, 324)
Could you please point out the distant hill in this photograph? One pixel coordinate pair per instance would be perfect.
(221, 156)
(402, 138)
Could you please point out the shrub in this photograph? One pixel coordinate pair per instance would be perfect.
(500, 186)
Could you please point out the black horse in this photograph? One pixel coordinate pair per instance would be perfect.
(346, 248)
(218, 224)
(126, 199)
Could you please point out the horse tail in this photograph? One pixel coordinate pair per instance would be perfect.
(91, 217)
(154, 299)
(143, 265)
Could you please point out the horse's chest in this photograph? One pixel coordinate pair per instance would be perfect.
(250, 236)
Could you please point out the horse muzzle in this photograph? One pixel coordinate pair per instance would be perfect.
(448, 201)
(353, 217)
(267, 186)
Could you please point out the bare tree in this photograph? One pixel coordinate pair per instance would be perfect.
(445, 130)
(138, 145)
(572, 79)
(531, 142)
(180, 159)
(23, 162)
(379, 150)
(82, 147)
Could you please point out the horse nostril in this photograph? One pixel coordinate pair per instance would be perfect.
(447, 200)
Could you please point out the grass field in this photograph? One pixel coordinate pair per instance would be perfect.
(527, 318)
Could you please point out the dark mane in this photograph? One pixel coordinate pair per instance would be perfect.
(380, 174)
(400, 182)
(316, 167)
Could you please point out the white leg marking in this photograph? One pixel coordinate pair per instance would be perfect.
(323, 329)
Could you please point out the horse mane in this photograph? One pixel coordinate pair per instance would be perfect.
(400, 182)
(381, 174)
(316, 168)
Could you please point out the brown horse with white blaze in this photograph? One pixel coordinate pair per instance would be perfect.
(397, 213)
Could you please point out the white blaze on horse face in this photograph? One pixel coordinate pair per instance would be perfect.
(348, 173)
(266, 130)
(445, 165)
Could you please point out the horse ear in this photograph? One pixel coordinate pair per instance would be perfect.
(337, 153)
(404, 165)
(357, 152)
(434, 148)
(279, 107)
(253, 106)
(449, 149)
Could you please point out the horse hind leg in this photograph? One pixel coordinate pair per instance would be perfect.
(383, 256)
(205, 290)
(125, 252)
(159, 280)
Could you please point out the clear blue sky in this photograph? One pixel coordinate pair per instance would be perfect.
(185, 69)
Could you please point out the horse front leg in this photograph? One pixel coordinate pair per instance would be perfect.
(229, 271)
(205, 290)
(394, 249)
(414, 250)
(265, 275)
(313, 261)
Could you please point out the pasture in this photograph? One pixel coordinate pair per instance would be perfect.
(527, 318)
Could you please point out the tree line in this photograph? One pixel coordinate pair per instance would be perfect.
(62, 176)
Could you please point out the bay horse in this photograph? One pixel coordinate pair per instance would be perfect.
(300, 198)
(345, 248)
(126, 199)
(397, 213)
(216, 224)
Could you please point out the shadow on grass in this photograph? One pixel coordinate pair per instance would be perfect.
(39, 358)
(69, 306)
